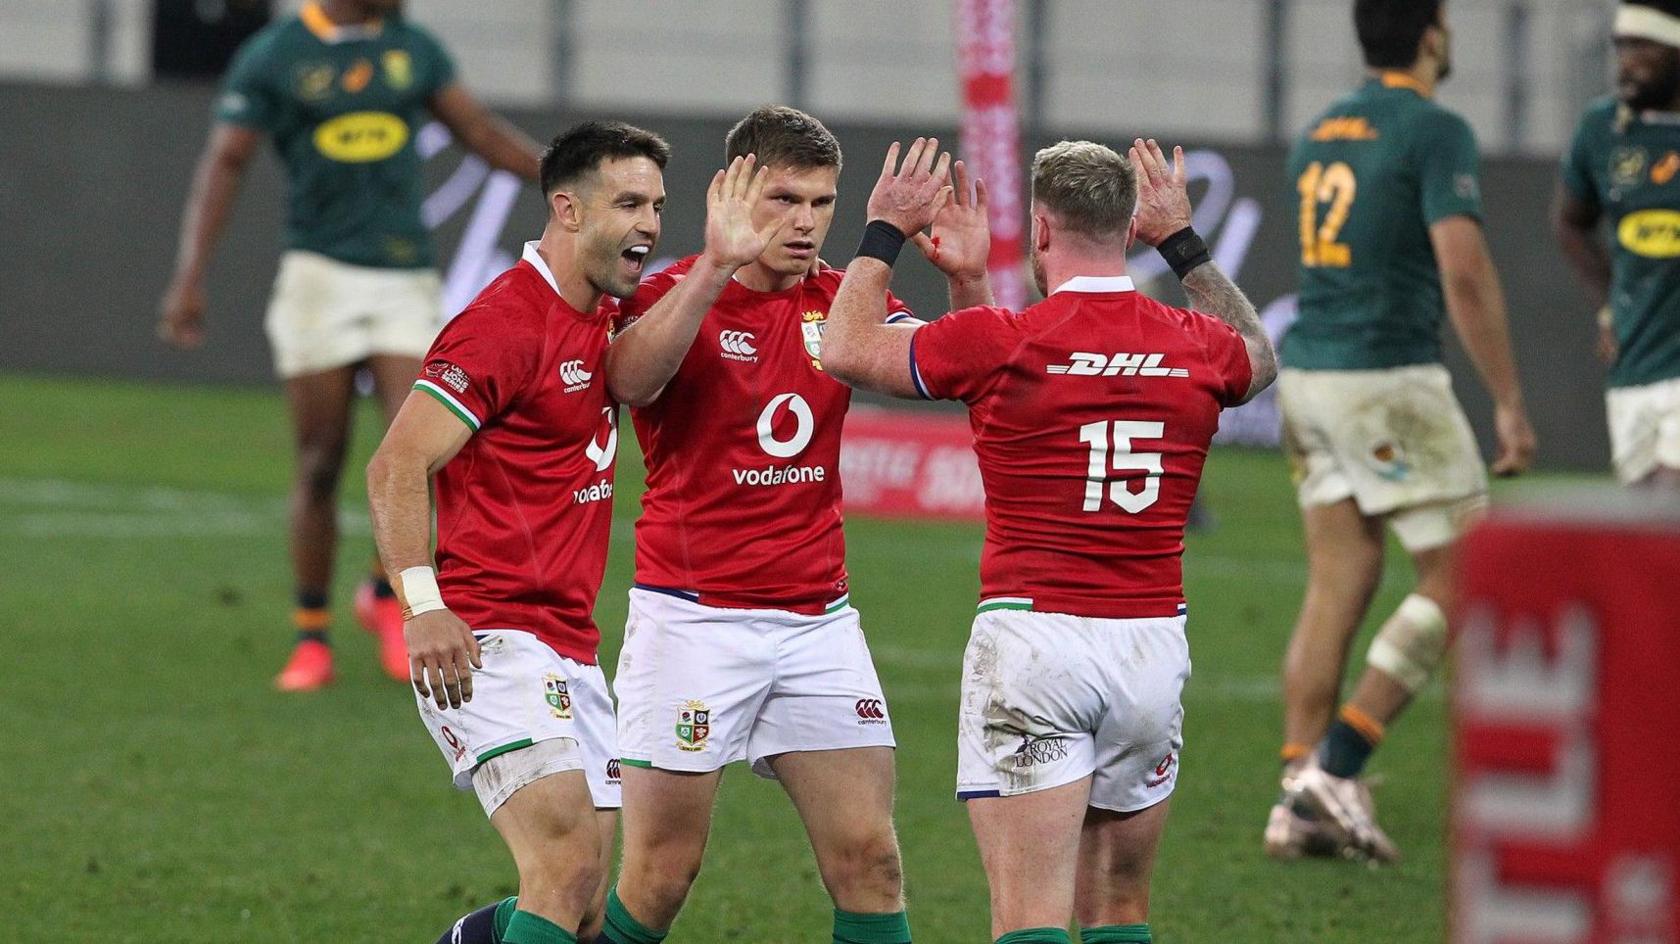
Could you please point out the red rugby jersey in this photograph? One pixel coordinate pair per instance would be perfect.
(524, 510)
(1092, 412)
(742, 507)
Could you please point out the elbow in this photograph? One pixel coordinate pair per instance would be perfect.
(838, 362)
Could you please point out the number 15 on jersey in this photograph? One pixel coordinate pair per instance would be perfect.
(1111, 450)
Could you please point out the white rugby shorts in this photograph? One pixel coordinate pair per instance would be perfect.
(526, 694)
(1049, 698)
(1644, 428)
(702, 686)
(1394, 440)
(326, 314)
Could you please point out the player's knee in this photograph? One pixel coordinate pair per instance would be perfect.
(662, 881)
(1411, 644)
(562, 883)
(318, 469)
(867, 864)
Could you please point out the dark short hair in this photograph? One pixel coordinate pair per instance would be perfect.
(1390, 30)
(581, 148)
(1091, 188)
(783, 136)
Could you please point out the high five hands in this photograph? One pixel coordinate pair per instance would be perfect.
(732, 240)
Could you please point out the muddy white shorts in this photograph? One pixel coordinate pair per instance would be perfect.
(1644, 428)
(703, 686)
(1049, 698)
(526, 694)
(1393, 440)
(326, 314)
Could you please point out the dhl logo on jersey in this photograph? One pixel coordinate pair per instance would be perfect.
(1654, 234)
(361, 136)
(1349, 128)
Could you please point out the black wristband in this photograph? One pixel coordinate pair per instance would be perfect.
(1184, 251)
(881, 240)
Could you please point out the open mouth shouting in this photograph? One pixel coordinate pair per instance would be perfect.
(635, 257)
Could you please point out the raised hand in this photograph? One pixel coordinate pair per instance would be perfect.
(1163, 205)
(911, 195)
(962, 239)
(731, 239)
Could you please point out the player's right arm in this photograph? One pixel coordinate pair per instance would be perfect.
(425, 435)
(644, 357)
(215, 184)
(1476, 306)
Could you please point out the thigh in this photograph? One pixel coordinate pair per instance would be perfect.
(667, 814)
(393, 378)
(826, 695)
(1029, 846)
(551, 820)
(1116, 858)
(691, 680)
(844, 797)
(1033, 694)
(1344, 547)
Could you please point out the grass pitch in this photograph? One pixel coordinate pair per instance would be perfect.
(158, 789)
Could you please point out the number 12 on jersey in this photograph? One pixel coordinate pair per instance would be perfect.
(1113, 452)
(1337, 186)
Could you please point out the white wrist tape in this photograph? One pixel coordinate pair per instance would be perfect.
(420, 591)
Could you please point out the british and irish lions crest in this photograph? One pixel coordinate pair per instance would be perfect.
(811, 326)
(558, 698)
(694, 723)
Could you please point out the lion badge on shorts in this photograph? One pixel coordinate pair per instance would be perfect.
(558, 698)
(694, 724)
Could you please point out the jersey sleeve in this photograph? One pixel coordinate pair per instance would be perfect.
(1576, 171)
(478, 365)
(648, 294)
(897, 311)
(439, 68)
(1450, 168)
(248, 96)
(1226, 354)
(957, 356)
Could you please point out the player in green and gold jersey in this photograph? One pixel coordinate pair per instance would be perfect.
(1391, 240)
(1624, 169)
(341, 89)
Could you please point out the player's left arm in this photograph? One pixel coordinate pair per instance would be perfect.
(859, 349)
(484, 132)
(1163, 221)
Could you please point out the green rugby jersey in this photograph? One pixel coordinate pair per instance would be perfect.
(1374, 172)
(1629, 167)
(343, 105)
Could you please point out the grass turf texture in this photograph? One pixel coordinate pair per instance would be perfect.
(158, 789)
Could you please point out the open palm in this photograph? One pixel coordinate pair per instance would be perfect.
(961, 239)
(731, 239)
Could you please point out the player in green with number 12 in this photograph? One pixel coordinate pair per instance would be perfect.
(1391, 238)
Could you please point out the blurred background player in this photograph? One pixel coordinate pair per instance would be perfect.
(1390, 237)
(342, 89)
(741, 643)
(1621, 168)
(1092, 413)
(511, 424)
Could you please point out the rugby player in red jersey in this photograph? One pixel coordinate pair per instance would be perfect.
(740, 644)
(1092, 412)
(512, 426)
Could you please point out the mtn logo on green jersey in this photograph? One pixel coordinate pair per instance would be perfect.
(1654, 234)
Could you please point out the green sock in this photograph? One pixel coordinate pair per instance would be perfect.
(1116, 934)
(504, 913)
(853, 928)
(621, 928)
(526, 928)
(1036, 936)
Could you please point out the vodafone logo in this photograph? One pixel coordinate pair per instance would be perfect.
(871, 711)
(602, 454)
(795, 444)
(574, 376)
(738, 346)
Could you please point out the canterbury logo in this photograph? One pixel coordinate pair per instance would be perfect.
(572, 374)
(871, 709)
(739, 343)
(1084, 364)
